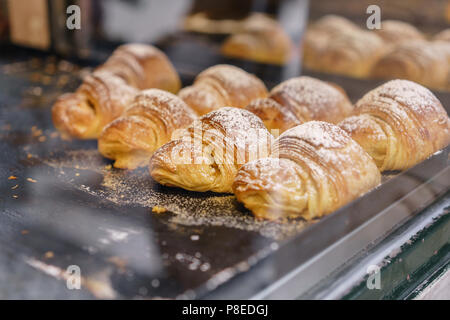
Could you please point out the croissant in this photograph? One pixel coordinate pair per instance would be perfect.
(299, 100)
(222, 85)
(147, 124)
(333, 24)
(101, 98)
(262, 39)
(314, 169)
(394, 32)
(320, 34)
(399, 124)
(351, 53)
(207, 155)
(314, 44)
(143, 66)
(418, 61)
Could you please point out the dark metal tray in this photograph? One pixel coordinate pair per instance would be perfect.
(70, 208)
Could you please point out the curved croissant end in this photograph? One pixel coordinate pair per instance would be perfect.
(262, 39)
(208, 154)
(274, 115)
(399, 124)
(144, 67)
(418, 61)
(220, 86)
(395, 31)
(314, 169)
(148, 123)
(101, 98)
(300, 100)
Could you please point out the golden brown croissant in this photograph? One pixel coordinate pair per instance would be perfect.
(146, 125)
(208, 154)
(314, 44)
(320, 34)
(262, 39)
(222, 85)
(143, 66)
(351, 53)
(299, 100)
(314, 169)
(394, 32)
(101, 98)
(333, 24)
(399, 124)
(418, 61)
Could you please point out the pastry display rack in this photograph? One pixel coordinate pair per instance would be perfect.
(66, 215)
(62, 205)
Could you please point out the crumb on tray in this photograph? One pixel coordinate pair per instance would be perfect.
(158, 209)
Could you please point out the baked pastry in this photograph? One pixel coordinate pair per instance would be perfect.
(143, 66)
(394, 32)
(418, 61)
(101, 98)
(147, 124)
(207, 155)
(299, 100)
(262, 39)
(319, 34)
(399, 124)
(313, 45)
(351, 53)
(314, 169)
(333, 24)
(222, 85)
(444, 35)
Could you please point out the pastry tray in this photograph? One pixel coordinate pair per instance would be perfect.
(62, 205)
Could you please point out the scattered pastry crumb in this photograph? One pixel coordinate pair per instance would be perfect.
(183, 207)
(42, 138)
(54, 135)
(31, 180)
(158, 209)
(12, 178)
(108, 167)
(35, 131)
(24, 232)
(29, 156)
(49, 255)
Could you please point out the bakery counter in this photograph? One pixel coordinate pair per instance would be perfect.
(67, 216)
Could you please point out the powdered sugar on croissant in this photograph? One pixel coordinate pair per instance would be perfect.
(207, 155)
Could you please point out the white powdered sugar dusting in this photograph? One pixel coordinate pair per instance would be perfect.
(171, 107)
(319, 134)
(310, 92)
(230, 76)
(408, 94)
